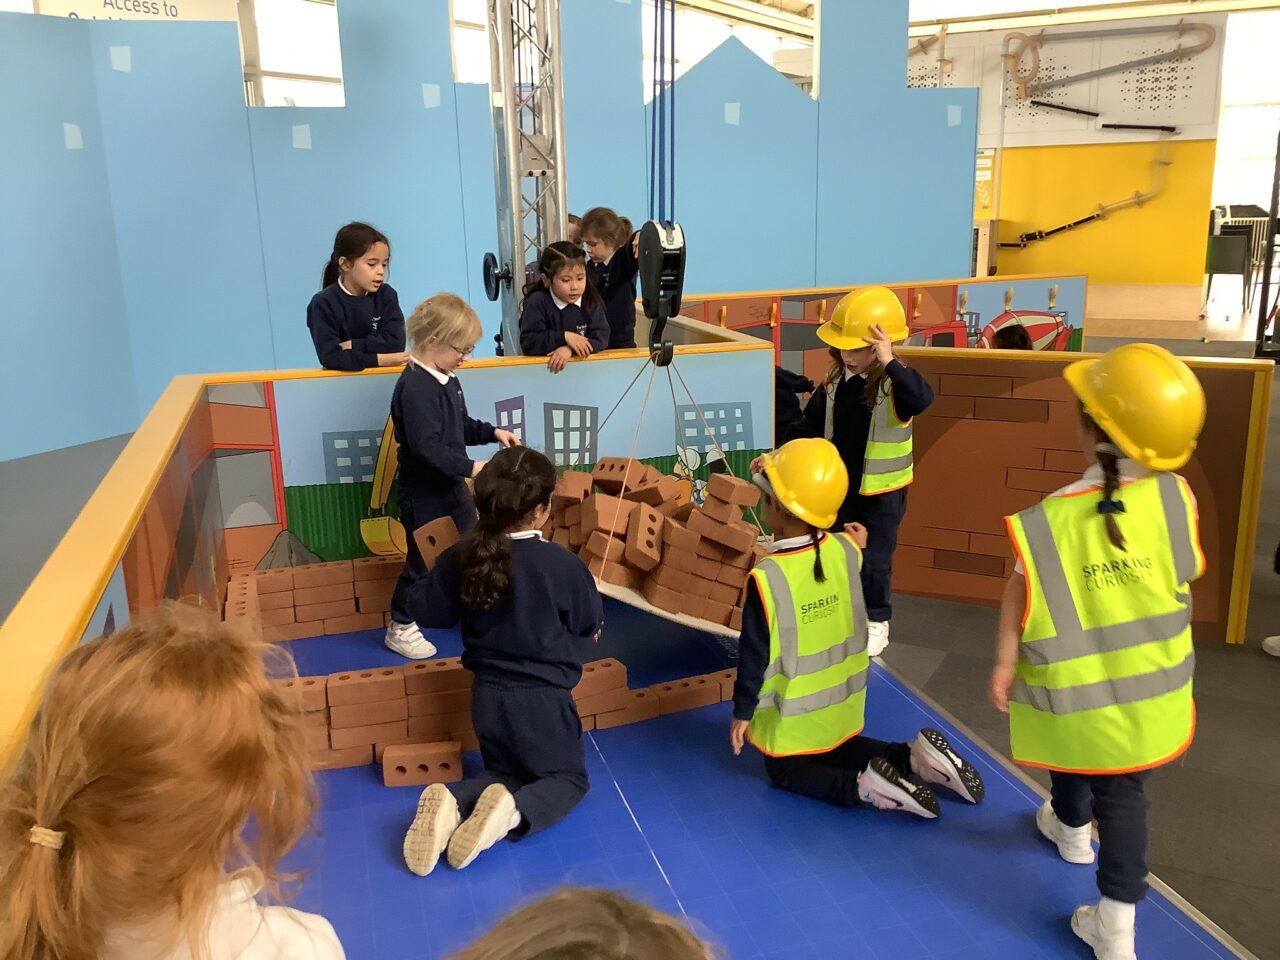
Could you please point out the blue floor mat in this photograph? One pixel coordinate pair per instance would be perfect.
(674, 819)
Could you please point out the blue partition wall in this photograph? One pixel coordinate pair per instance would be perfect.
(172, 230)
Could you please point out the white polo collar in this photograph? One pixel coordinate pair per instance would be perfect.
(561, 304)
(441, 378)
(526, 535)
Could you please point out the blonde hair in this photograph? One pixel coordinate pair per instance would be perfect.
(443, 318)
(151, 751)
(580, 923)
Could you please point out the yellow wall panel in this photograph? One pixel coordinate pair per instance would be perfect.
(1162, 241)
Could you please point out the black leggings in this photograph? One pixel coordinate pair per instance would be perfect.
(832, 777)
(881, 516)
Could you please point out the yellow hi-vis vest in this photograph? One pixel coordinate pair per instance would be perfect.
(888, 463)
(815, 684)
(1103, 682)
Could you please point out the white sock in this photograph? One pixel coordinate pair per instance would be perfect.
(1115, 914)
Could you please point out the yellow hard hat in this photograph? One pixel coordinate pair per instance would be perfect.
(857, 312)
(809, 479)
(1145, 399)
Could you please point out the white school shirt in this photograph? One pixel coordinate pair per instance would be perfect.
(441, 378)
(240, 928)
(561, 304)
(1129, 470)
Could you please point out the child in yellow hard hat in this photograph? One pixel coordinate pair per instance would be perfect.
(865, 408)
(803, 667)
(1094, 653)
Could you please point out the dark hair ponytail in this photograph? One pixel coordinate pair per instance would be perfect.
(1108, 455)
(350, 243)
(511, 486)
(818, 573)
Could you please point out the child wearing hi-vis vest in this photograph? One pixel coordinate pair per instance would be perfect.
(802, 664)
(1094, 655)
(865, 408)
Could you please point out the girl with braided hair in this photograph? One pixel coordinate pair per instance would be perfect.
(528, 610)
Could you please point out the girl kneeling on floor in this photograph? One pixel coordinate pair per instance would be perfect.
(803, 665)
(528, 610)
(1094, 656)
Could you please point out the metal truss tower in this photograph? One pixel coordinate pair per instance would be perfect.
(527, 94)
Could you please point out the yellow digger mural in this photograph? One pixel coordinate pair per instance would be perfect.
(382, 534)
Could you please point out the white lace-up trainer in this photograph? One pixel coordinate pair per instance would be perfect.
(429, 834)
(877, 638)
(1108, 927)
(1073, 843)
(937, 764)
(495, 815)
(882, 786)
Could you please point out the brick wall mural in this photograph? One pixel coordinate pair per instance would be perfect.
(1004, 433)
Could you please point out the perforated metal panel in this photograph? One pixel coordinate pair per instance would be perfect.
(1181, 93)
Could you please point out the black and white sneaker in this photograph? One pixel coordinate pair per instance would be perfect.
(936, 763)
(882, 786)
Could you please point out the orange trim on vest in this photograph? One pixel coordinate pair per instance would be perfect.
(1108, 773)
(1026, 581)
(805, 753)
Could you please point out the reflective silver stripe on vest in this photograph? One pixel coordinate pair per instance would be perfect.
(1072, 640)
(1106, 693)
(789, 662)
(1175, 515)
(887, 431)
(829, 424)
(830, 697)
(873, 466)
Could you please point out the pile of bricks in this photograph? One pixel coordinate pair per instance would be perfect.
(316, 599)
(415, 720)
(625, 520)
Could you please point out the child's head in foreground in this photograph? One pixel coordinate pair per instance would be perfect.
(151, 751)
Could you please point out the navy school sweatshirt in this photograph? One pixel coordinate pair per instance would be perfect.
(544, 322)
(615, 281)
(433, 429)
(912, 395)
(540, 633)
(372, 322)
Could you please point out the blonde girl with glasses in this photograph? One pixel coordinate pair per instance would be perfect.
(432, 427)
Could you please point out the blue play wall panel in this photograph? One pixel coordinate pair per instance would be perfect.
(745, 176)
(70, 373)
(894, 165)
(605, 146)
(182, 188)
(390, 157)
(187, 234)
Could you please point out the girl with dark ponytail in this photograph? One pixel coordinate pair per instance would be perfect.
(355, 320)
(527, 611)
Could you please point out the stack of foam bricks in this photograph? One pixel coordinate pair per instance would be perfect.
(415, 720)
(315, 599)
(634, 532)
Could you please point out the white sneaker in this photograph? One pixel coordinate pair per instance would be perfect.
(407, 640)
(882, 786)
(1271, 645)
(877, 638)
(936, 763)
(1107, 927)
(494, 816)
(1073, 843)
(429, 834)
